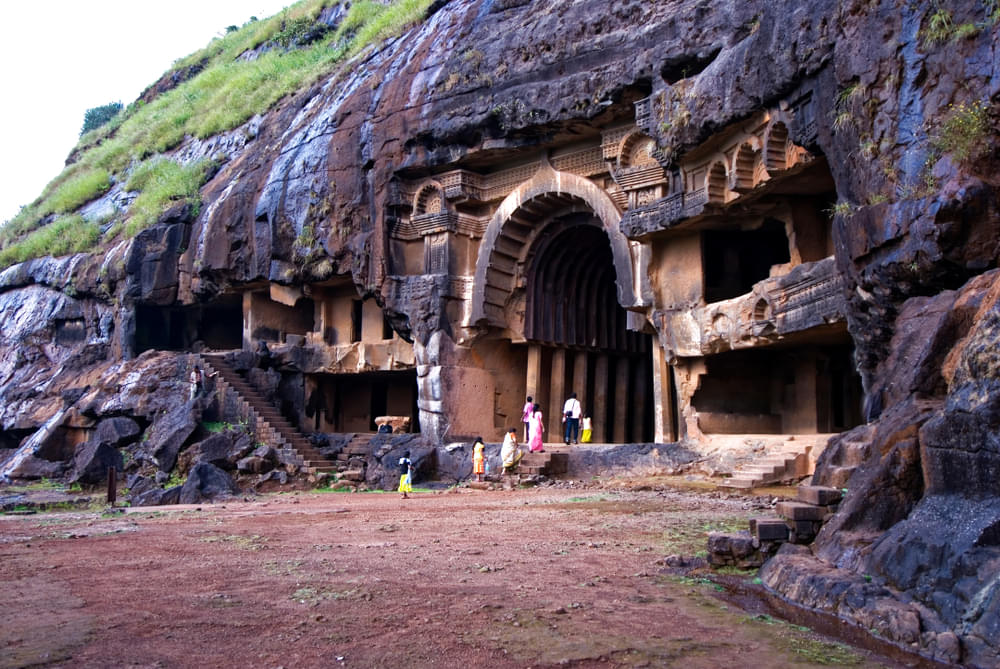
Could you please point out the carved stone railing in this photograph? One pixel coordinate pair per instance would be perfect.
(426, 224)
(662, 214)
(807, 298)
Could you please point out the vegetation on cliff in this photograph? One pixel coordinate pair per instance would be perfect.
(245, 73)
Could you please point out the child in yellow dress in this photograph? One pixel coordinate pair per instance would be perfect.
(588, 429)
(478, 458)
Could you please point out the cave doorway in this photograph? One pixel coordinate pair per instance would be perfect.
(352, 402)
(216, 325)
(578, 335)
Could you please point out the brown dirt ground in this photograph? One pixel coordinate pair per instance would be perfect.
(463, 578)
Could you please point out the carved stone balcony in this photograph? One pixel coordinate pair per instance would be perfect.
(811, 296)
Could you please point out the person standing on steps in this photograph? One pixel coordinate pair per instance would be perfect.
(196, 381)
(571, 417)
(529, 406)
(510, 452)
(405, 475)
(536, 429)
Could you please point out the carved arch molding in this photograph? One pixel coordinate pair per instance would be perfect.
(549, 196)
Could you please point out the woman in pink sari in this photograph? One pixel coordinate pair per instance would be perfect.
(536, 428)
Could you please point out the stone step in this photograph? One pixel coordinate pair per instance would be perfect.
(742, 483)
(763, 469)
(819, 495)
(800, 511)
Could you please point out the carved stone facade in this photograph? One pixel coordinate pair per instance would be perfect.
(676, 297)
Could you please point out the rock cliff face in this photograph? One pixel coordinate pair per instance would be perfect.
(311, 191)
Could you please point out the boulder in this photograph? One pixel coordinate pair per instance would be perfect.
(254, 465)
(216, 449)
(206, 482)
(169, 433)
(139, 484)
(266, 453)
(92, 461)
(157, 497)
(116, 432)
(32, 468)
(242, 445)
(383, 472)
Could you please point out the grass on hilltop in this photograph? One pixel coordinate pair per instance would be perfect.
(227, 92)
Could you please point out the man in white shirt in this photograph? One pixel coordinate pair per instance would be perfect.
(571, 416)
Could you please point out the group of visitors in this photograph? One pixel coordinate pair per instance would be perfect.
(572, 415)
(511, 452)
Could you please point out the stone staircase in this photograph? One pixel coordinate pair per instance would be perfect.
(552, 462)
(791, 460)
(797, 521)
(269, 425)
(352, 458)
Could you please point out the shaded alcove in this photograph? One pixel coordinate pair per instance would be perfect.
(351, 402)
(216, 325)
(272, 321)
(735, 260)
(806, 389)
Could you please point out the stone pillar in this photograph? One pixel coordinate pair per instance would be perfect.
(600, 399)
(663, 428)
(580, 380)
(557, 390)
(534, 372)
(621, 399)
(638, 399)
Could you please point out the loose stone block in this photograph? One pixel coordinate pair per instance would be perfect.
(770, 529)
(806, 528)
(800, 511)
(741, 545)
(819, 495)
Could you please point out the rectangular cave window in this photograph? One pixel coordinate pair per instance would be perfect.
(356, 310)
(386, 328)
(734, 260)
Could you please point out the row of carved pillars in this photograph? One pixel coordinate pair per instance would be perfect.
(629, 396)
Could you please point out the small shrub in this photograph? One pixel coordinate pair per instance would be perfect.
(939, 27)
(842, 208)
(95, 117)
(964, 132)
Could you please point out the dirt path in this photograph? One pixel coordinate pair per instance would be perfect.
(461, 579)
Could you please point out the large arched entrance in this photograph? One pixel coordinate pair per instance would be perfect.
(580, 332)
(553, 277)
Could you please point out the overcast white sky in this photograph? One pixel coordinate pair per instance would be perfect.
(59, 58)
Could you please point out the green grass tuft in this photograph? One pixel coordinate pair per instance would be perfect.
(964, 132)
(65, 235)
(163, 183)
